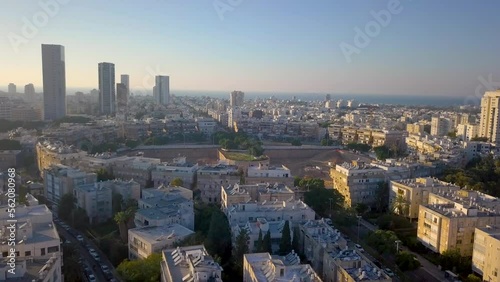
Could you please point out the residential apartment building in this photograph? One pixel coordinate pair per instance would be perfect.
(440, 126)
(129, 189)
(489, 126)
(486, 253)
(351, 266)
(237, 193)
(415, 128)
(191, 263)
(164, 173)
(165, 205)
(51, 153)
(406, 195)
(467, 131)
(260, 267)
(269, 174)
(96, 200)
(210, 178)
(137, 168)
(449, 219)
(261, 226)
(59, 180)
(358, 182)
(315, 239)
(236, 99)
(291, 210)
(144, 241)
(38, 251)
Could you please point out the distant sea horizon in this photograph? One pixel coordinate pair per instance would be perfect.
(388, 99)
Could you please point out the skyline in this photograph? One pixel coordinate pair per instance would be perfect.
(295, 44)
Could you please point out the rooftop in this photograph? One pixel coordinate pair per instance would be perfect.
(425, 182)
(186, 263)
(35, 270)
(241, 156)
(462, 203)
(160, 233)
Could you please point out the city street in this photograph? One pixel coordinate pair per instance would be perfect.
(85, 255)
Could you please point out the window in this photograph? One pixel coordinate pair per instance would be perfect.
(282, 272)
(42, 251)
(27, 253)
(5, 254)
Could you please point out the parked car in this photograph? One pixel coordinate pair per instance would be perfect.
(79, 238)
(104, 268)
(389, 272)
(92, 278)
(358, 246)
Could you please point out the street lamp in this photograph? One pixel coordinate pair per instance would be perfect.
(397, 246)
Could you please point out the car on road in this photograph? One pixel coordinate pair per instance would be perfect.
(95, 256)
(92, 278)
(358, 246)
(389, 272)
(79, 238)
(104, 268)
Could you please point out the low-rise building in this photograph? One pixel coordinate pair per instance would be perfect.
(237, 193)
(351, 266)
(164, 173)
(449, 219)
(486, 253)
(211, 178)
(60, 180)
(260, 267)
(270, 174)
(137, 168)
(165, 205)
(38, 252)
(96, 200)
(262, 226)
(315, 238)
(52, 153)
(191, 263)
(129, 189)
(406, 195)
(144, 241)
(292, 210)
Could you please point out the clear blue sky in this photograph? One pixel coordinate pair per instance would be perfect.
(430, 48)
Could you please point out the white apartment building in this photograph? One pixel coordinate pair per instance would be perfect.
(489, 126)
(260, 267)
(165, 205)
(351, 266)
(291, 210)
(440, 126)
(38, 251)
(261, 225)
(316, 238)
(144, 241)
(191, 263)
(96, 200)
(237, 193)
(164, 173)
(210, 178)
(206, 126)
(60, 180)
(467, 131)
(486, 253)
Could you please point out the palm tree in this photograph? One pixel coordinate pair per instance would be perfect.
(401, 206)
(124, 221)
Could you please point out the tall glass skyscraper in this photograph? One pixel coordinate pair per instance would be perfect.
(54, 82)
(107, 94)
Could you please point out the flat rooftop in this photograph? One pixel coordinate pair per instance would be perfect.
(184, 263)
(158, 233)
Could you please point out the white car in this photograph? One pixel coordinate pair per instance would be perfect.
(92, 278)
(358, 246)
(104, 268)
(79, 238)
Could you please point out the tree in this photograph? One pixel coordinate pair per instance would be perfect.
(382, 196)
(147, 270)
(383, 152)
(401, 206)
(324, 201)
(383, 241)
(123, 219)
(256, 150)
(66, 206)
(259, 247)
(241, 248)
(116, 201)
(481, 139)
(361, 208)
(473, 278)
(454, 261)
(296, 142)
(218, 239)
(268, 247)
(104, 175)
(407, 261)
(71, 269)
(177, 182)
(286, 240)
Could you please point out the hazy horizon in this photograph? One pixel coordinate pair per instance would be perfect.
(426, 49)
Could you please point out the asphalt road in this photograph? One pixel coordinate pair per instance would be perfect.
(85, 255)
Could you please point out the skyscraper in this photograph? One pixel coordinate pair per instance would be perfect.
(107, 88)
(12, 88)
(54, 82)
(29, 90)
(489, 126)
(125, 79)
(161, 90)
(121, 97)
(236, 99)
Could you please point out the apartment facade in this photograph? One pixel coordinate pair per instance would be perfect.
(210, 178)
(486, 253)
(164, 173)
(449, 219)
(96, 200)
(489, 125)
(237, 193)
(351, 266)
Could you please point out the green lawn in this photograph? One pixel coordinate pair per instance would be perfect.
(238, 156)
